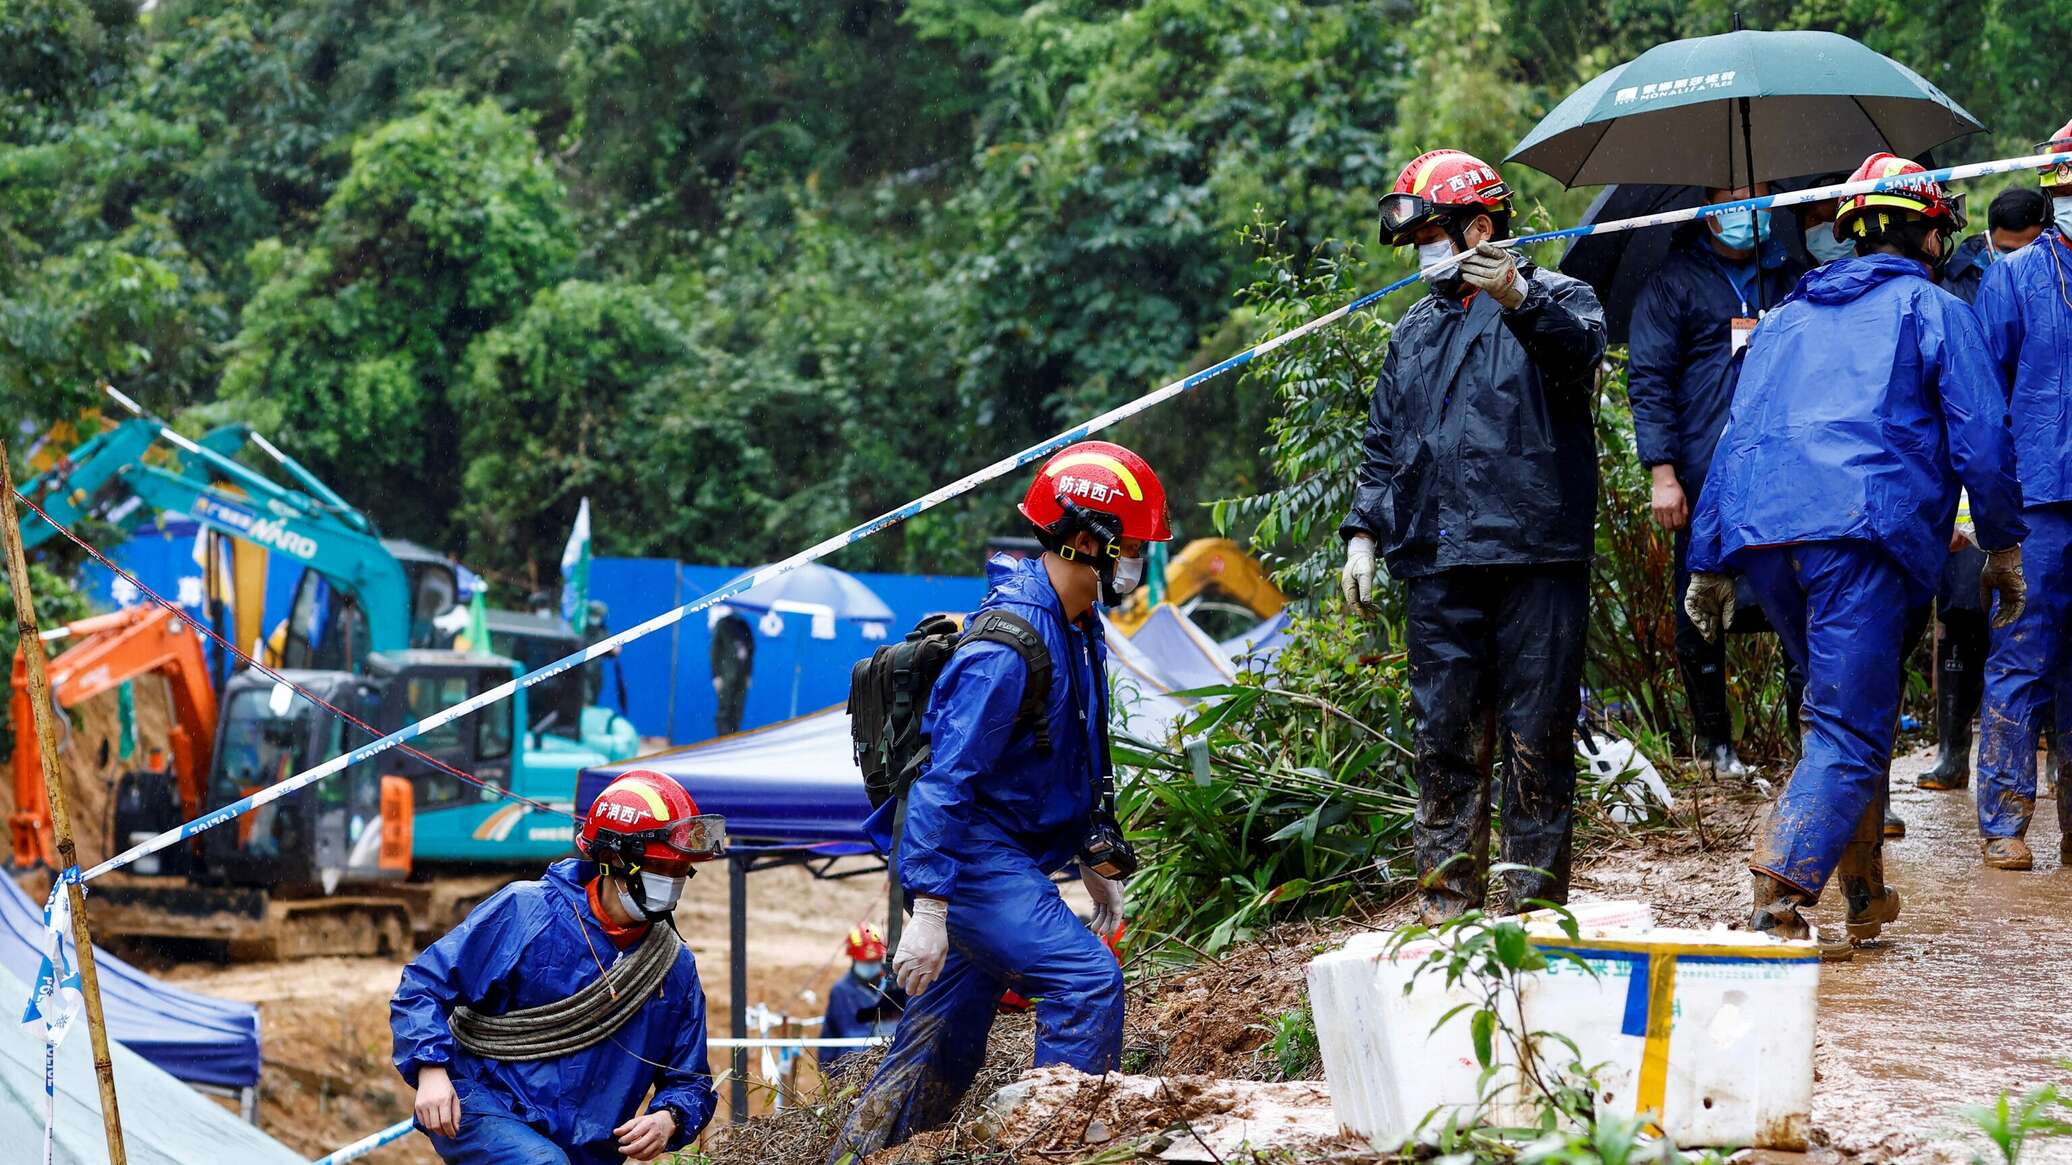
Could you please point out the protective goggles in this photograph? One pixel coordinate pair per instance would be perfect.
(1403, 214)
(698, 838)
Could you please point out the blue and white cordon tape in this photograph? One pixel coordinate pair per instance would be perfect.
(991, 472)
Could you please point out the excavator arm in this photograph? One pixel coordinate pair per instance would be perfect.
(1209, 565)
(112, 650)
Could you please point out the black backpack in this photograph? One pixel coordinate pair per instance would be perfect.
(889, 691)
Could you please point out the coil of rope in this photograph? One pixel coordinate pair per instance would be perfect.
(586, 1018)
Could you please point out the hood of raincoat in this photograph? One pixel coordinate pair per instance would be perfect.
(1846, 280)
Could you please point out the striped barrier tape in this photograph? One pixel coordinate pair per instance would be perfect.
(1008, 465)
(367, 1144)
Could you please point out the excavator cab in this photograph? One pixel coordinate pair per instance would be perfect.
(327, 628)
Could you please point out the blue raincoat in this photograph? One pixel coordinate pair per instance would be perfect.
(848, 1001)
(534, 943)
(2022, 305)
(988, 821)
(1865, 399)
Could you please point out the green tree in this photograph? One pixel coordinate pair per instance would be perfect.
(446, 224)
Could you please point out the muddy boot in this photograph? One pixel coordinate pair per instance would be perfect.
(1777, 906)
(1894, 825)
(1953, 733)
(2007, 853)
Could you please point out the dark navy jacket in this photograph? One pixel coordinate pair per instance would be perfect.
(1680, 370)
(1968, 268)
(1480, 448)
(984, 783)
(534, 943)
(1865, 400)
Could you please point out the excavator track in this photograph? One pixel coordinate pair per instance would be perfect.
(252, 925)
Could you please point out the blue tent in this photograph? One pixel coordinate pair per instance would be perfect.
(196, 1038)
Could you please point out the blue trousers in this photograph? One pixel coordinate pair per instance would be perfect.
(1009, 929)
(490, 1137)
(1841, 610)
(2025, 669)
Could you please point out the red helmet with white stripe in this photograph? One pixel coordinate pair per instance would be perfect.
(1443, 187)
(645, 822)
(1866, 216)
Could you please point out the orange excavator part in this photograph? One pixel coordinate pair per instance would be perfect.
(112, 650)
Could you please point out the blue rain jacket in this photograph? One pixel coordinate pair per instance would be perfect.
(847, 1001)
(2021, 305)
(534, 943)
(1865, 399)
(1680, 367)
(984, 785)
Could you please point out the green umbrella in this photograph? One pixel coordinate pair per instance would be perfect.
(1711, 110)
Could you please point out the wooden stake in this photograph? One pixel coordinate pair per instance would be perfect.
(54, 791)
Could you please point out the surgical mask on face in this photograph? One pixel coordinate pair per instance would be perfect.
(2061, 213)
(869, 972)
(662, 894)
(1822, 244)
(1128, 573)
(1439, 252)
(1741, 231)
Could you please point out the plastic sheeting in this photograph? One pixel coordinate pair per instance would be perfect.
(164, 1121)
(199, 1039)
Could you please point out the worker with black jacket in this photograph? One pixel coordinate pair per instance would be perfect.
(1479, 484)
(1689, 326)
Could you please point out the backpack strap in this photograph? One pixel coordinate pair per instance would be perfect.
(1004, 627)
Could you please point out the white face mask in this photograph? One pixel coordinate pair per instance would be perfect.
(2061, 213)
(1128, 573)
(1439, 252)
(662, 894)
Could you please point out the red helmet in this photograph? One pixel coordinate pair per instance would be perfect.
(1438, 186)
(1864, 216)
(866, 944)
(643, 821)
(2059, 143)
(1103, 477)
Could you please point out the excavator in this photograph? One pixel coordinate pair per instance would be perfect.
(105, 652)
(1210, 576)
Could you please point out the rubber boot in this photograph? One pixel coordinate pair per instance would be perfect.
(2007, 853)
(1870, 902)
(1777, 914)
(1953, 736)
(1894, 825)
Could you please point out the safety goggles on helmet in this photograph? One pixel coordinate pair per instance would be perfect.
(2059, 175)
(691, 839)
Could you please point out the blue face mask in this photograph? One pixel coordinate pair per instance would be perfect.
(1822, 244)
(1741, 231)
(2061, 214)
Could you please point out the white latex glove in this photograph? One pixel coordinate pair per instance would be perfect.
(1492, 269)
(923, 946)
(1709, 601)
(1356, 581)
(1107, 896)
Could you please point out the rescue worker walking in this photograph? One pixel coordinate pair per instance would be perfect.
(2013, 221)
(992, 814)
(2028, 330)
(862, 1002)
(533, 1031)
(1689, 325)
(1865, 399)
(1479, 485)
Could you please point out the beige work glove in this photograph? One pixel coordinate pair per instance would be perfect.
(2003, 577)
(1356, 581)
(1492, 269)
(1709, 601)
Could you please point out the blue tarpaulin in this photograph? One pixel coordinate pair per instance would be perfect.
(194, 1037)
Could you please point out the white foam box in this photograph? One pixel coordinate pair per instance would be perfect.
(1711, 1032)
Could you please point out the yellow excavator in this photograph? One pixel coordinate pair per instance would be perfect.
(1216, 583)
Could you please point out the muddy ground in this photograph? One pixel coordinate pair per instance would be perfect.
(1959, 1003)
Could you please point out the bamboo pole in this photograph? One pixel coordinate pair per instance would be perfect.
(54, 792)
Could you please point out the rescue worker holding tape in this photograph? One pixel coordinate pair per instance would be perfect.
(533, 1031)
(999, 805)
(2023, 307)
(1479, 485)
(1865, 399)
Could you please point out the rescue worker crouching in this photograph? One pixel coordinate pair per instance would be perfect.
(2028, 334)
(1479, 485)
(533, 1031)
(1864, 401)
(990, 816)
(862, 1002)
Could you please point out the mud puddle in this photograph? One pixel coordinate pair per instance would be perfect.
(1967, 995)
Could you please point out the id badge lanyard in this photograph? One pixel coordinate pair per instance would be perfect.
(1742, 326)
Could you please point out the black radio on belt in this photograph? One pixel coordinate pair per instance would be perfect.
(1107, 852)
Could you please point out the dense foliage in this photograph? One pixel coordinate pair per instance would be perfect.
(741, 270)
